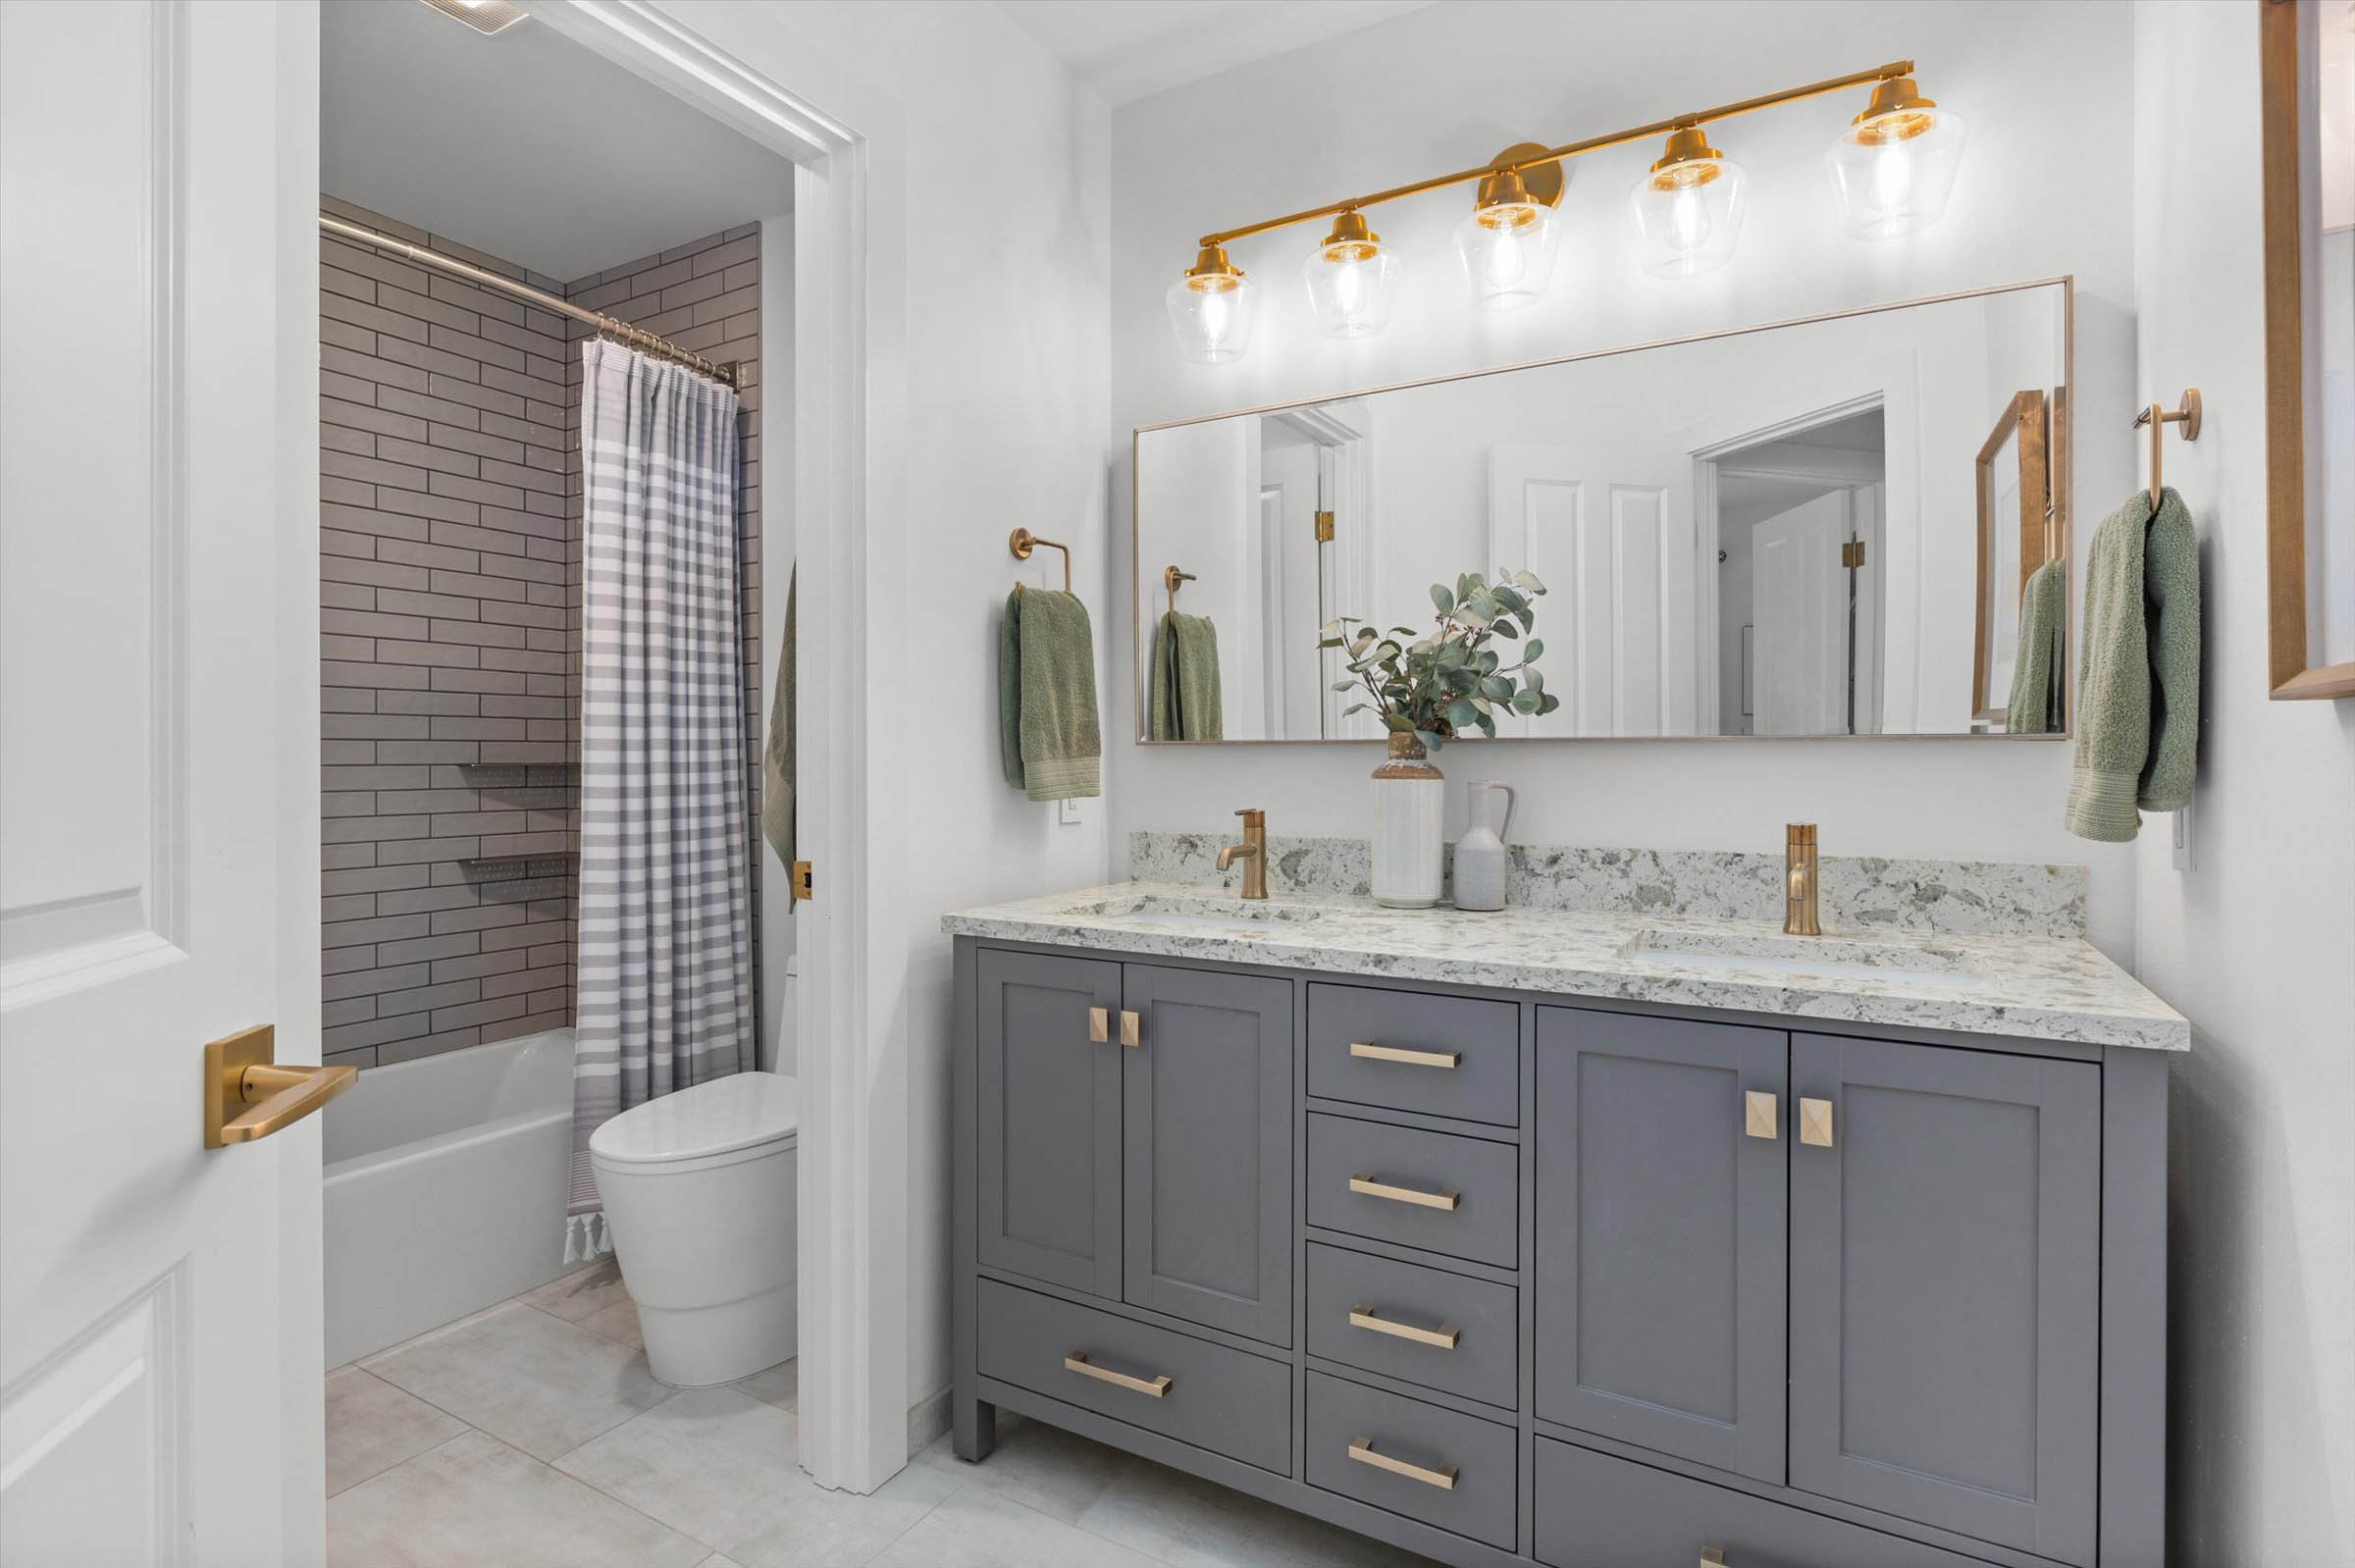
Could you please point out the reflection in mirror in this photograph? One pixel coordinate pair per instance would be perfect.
(1852, 525)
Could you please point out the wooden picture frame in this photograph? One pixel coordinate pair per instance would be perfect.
(2293, 461)
(2024, 431)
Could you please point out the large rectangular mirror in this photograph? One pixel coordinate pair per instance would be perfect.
(1830, 527)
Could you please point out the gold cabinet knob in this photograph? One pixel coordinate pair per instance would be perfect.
(1759, 1114)
(1099, 1025)
(1815, 1123)
(1132, 1029)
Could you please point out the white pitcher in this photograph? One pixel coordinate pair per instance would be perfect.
(1479, 853)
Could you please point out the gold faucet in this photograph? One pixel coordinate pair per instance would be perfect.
(1252, 852)
(1799, 881)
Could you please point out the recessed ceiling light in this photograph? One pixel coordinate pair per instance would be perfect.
(483, 16)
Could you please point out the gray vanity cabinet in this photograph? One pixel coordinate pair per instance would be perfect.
(1049, 1104)
(1136, 1136)
(1208, 1098)
(1535, 1281)
(1946, 1254)
(1661, 1235)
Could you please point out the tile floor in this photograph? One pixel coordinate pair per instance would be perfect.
(531, 1435)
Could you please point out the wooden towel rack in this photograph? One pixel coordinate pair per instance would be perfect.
(2158, 418)
(1022, 541)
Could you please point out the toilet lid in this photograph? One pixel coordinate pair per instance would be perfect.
(736, 1111)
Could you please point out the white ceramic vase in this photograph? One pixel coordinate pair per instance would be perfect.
(1480, 853)
(1410, 799)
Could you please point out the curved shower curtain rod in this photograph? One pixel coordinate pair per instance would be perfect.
(610, 326)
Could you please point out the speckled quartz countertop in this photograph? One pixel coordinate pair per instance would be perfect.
(2040, 986)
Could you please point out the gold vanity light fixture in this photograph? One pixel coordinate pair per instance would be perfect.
(1894, 163)
(1893, 167)
(1687, 207)
(1509, 243)
(1352, 279)
(1213, 308)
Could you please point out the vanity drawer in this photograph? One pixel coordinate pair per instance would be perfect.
(1453, 1471)
(1434, 1190)
(1596, 1511)
(1422, 1325)
(1439, 1055)
(1224, 1400)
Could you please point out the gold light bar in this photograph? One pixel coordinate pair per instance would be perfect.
(1569, 149)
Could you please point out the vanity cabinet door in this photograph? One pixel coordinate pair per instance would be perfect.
(1208, 1108)
(1945, 1274)
(1661, 1235)
(1050, 1119)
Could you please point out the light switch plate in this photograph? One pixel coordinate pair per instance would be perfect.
(1068, 813)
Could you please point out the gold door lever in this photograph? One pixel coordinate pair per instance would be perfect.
(248, 1096)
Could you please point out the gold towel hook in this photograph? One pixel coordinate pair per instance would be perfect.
(1171, 577)
(1022, 541)
(2158, 418)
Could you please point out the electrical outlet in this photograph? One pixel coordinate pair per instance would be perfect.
(2181, 827)
(1068, 811)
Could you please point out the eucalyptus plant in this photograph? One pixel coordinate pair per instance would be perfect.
(1450, 680)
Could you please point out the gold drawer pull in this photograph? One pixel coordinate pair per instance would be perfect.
(1132, 1029)
(1759, 1108)
(1444, 1337)
(1361, 1449)
(1815, 1123)
(1711, 1557)
(1099, 1025)
(1367, 1186)
(1157, 1388)
(1411, 1057)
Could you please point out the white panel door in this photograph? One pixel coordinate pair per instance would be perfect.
(1610, 534)
(159, 1320)
(1799, 604)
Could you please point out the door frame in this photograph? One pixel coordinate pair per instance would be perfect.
(849, 308)
(1717, 457)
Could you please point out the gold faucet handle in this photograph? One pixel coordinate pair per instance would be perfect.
(1253, 817)
(1800, 835)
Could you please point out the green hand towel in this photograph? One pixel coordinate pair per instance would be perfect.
(2142, 575)
(1047, 695)
(776, 759)
(2036, 671)
(1186, 702)
(2170, 593)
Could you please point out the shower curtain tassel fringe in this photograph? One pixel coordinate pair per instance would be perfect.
(587, 1237)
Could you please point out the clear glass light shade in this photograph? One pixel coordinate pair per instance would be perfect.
(1213, 315)
(1688, 215)
(1893, 171)
(1351, 286)
(1509, 254)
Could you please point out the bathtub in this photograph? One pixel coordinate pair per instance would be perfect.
(445, 1187)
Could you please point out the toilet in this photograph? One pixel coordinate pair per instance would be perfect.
(698, 1192)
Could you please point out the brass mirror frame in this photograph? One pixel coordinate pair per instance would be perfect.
(2290, 670)
(2060, 471)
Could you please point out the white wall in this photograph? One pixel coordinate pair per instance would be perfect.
(1449, 85)
(988, 383)
(2255, 941)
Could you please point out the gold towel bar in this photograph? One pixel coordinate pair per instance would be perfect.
(1022, 541)
(2158, 418)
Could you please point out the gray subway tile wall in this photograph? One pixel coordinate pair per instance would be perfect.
(451, 625)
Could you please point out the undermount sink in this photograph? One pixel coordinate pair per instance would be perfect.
(1826, 956)
(1202, 915)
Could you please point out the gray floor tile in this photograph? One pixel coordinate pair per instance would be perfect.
(536, 1381)
(780, 1384)
(582, 1294)
(475, 1502)
(617, 1323)
(1058, 1473)
(372, 1426)
(719, 1465)
(976, 1528)
(1191, 1522)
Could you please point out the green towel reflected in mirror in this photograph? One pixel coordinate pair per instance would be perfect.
(1184, 704)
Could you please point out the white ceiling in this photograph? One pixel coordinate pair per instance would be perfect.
(524, 144)
(1132, 49)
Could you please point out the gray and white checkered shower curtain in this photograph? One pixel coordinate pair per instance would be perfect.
(665, 991)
